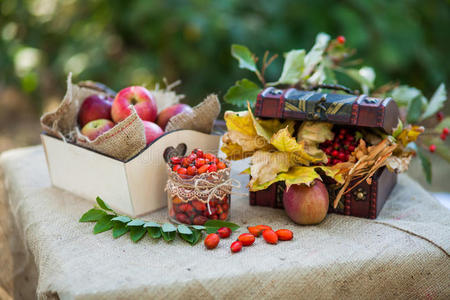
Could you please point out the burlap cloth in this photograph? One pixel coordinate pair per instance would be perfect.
(344, 257)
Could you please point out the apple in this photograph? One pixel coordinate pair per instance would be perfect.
(152, 131)
(97, 127)
(95, 107)
(306, 205)
(140, 98)
(167, 113)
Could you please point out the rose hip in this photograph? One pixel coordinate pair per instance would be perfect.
(212, 168)
(270, 236)
(236, 246)
(191, 170)
(246, 239)
(223, 216)
(182, 171)
(224, 232)
(175, 160)
(212, 240)
(221, 165)
(200, 206)
(182, 218)
(284, 234)
(199, 153)
(199, 220)
(202, 169)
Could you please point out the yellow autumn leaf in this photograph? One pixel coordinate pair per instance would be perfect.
(266, 165)
(240, 121)
(295, 175)
(333, 173)
(267, 128)
(283, 141)
(314, 133)
(410, 134)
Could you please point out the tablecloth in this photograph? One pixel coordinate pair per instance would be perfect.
(402, 254)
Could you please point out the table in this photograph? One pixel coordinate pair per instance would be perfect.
(404, 253)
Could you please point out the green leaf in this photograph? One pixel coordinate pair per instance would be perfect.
(436, 102)
(426, 165)
(292, 68)
(168, 236)
(244, 56)
(197, 236)
(213, 225)
(404, 94)
(369, 75)
(183, 229)
(104, 224)
(102, 204)
(123, 219)
(154, 232)
(315, 55)
(242, 91)
(119, 229)
(414, 110)
(137, 233)
(136, 222)
(398, 129)
(152, 224)
(198, 227)
(92, 215)
(167, 227)
(187, 237)
(356, 76)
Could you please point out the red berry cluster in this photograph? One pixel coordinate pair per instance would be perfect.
(339, 149)
(196, 163)
(247, 239)
(196, 212)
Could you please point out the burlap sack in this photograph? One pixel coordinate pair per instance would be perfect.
(201, 118)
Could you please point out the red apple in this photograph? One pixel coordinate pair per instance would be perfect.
(140, 98)
(167, 113)
(97, 127)
(306, 205)
(93, 108)
(152, 131)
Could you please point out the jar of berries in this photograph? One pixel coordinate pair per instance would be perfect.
(198, 188)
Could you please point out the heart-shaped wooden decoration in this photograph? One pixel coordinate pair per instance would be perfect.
(170, 151)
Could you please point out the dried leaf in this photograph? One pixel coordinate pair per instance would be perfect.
(410, 134)
(315, 132)
(240, 121)
(283, 141)
(266, 165)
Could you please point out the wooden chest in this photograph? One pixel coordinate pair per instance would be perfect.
(364, 200)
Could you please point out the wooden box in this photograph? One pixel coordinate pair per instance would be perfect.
(365, 200)
(133, 187)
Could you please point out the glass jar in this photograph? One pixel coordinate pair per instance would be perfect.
(193, 200)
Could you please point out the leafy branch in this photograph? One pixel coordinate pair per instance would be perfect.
(329, 57)
(107, 219)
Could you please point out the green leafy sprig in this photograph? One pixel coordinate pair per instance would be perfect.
(106, 219)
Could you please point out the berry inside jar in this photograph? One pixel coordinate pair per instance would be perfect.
(197, 188)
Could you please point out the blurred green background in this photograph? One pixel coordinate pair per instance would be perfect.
(121, 43)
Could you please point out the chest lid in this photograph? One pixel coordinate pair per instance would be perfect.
(344, 109)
